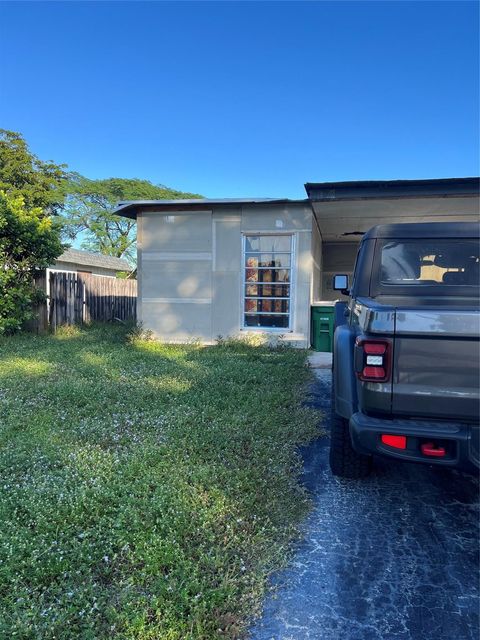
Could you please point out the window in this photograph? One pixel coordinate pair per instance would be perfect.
(438, 263)
(267, 283)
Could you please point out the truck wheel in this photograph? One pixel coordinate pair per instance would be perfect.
(344, 460)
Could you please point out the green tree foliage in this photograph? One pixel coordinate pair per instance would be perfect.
(22, 173)
(28, 241)
(88, 212)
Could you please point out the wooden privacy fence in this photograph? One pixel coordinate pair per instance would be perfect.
(39, 322)
(74, 298)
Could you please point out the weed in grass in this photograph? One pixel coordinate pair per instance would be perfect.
(146, 490)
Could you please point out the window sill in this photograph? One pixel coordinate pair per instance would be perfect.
(267, 329)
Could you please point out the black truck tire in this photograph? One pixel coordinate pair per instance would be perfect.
(344, 460)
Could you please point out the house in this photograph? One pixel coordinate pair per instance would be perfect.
(97, 264)
(226, 267)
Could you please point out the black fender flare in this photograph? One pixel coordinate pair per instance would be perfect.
(344, 379)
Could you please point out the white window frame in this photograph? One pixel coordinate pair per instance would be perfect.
(292, 283)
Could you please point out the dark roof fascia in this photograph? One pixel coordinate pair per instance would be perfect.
(414, 230)
(132, 208)
(391, 189)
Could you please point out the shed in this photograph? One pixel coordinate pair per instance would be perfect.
(79, 261)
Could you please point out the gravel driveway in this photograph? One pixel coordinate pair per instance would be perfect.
(394, 557)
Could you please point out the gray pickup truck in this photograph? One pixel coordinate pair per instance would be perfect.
(406, 350)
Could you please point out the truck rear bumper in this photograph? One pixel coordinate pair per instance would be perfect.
(459, 442)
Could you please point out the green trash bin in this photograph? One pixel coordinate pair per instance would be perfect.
(322, 327)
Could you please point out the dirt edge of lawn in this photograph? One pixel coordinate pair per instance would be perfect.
(148, 490)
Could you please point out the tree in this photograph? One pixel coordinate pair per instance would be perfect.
(88, 212)
(22, 173)
(28, 242)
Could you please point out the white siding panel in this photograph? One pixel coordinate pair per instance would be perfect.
(226, 304)
(288, 217)
(316, 262)
(227, 241)
(176, 279)
(178, 322)
(177, 231)
(304, 257)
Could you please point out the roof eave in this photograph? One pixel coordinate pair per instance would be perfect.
(391, 189)
(132, 208)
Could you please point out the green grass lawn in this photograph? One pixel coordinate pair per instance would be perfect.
(146, 490)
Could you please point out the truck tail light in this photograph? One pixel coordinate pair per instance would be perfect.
(372, 359)
(398, 442)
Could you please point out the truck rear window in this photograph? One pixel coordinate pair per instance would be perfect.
(442, 263)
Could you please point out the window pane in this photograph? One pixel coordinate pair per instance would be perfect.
(267, 290)
(267, 260)
(267, 275)
(271, 305)
(268, 244)
(431, 262)
(266, 321)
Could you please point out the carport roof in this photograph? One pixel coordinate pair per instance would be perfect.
(346, 210)
(359, 189)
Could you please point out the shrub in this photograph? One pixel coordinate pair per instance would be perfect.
(138, 334)
(27, 243)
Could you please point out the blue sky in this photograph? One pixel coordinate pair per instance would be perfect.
(244, 99)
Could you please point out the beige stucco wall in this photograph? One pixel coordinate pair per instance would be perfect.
(190, 263)
(338, 257)
(190, 269)
(226, 272)
(175, 263)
